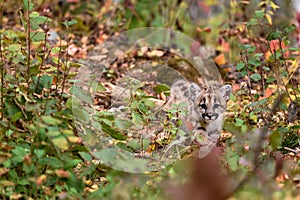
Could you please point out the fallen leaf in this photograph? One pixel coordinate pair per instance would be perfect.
(220, 59)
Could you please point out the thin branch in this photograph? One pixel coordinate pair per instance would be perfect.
(65, 74)
(28, 42)
(42, 61)
(291, 150)
(287, 70)
(2, 67)
(58, 66)
(248, 76)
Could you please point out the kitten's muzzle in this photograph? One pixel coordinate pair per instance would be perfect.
(210, 116)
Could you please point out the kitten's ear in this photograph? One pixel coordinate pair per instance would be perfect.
(195, 90)
(226, 91)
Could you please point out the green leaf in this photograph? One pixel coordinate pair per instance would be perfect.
(12, 108)
(137, 118)
(81, 115)
(124, 147)
(96, 125)
(233, 161)
(81, 94)
(239, 122)
(260, 102)
(16, 116)
(270, 79)
(70, 23)
(240, 66)
(100, 88)
(70, 164)
(37, 21)
(24, 181)
(259, 14)
(51, 120)
(39, 153)
(266, 68)
(88, 170)
(20, 151)
(135, 144)
(254, 62)
(252, 22)
(113, 133)
(274, 35)
(14, 47)
(13, 174)
(52, 161)
(123, 124)
(161, 88)
(142, 107)
(86, 156)
(290, 28)
(275, 139)
(37, 36)
(283, 129)
(255, 77)
(106, 155)
(74, 64)
(46, 81)
(25, 4)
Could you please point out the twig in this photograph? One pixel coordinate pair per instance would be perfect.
(28, 42)
(58, 66)
(248, 75)
(2, 67)
(65, 74)
(43, 59)
(292, 150)
(287, 70)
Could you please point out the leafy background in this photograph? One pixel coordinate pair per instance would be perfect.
(255, 45)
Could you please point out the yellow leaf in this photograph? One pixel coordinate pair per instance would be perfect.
(15, 196)
(269, 19)
(274, 6)
(270, 12)
(261, 3)
(88, 182)
(6, 183)
(74, 139)
(61, 143)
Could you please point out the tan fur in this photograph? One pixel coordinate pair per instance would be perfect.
(205, 106)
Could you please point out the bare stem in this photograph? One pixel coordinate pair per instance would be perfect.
(65, 73)
(248, 75)
(58, 66)
(287, 70)
(2, 67)
(42, 62)
(28, 42)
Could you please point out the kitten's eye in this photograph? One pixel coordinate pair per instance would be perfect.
(203, 106)
(217, 106)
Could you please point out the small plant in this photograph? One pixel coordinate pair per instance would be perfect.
(38, 140)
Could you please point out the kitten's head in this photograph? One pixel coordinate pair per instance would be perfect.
(210, 102)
